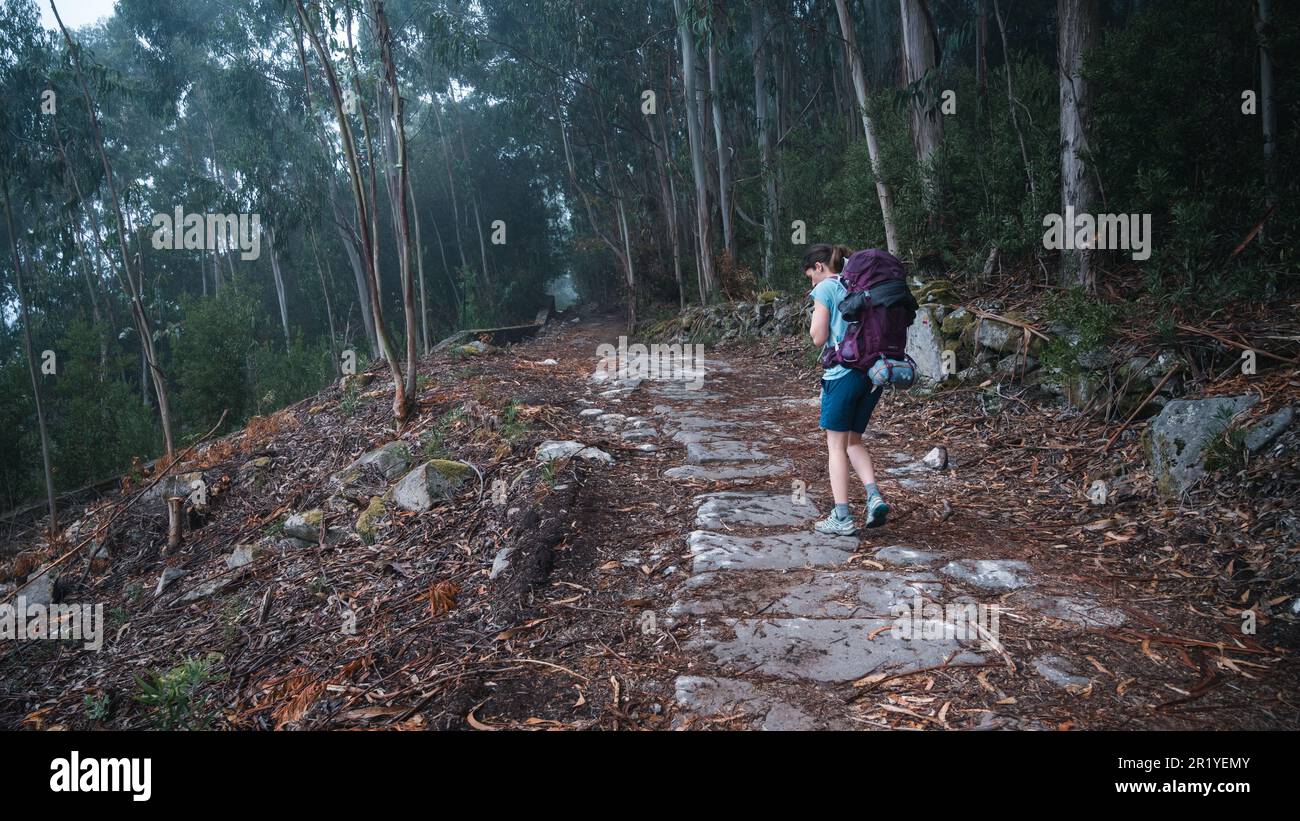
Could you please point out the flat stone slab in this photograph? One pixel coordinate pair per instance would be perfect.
(701, 453)
(897, 554)
(733, 509)
(714, 696)
(823, 594)
(682, 392)
(787, 551)
(989, 574)
(1080, 611)
(828, 650)
(712, 473)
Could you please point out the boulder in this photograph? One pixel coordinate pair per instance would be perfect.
(368, 521)
(999, 336)
(925, 346)
(306, 526)
(957, 321)
(1178, 437)
(244, 555)
(435, 480)
(389, 461)
(39, 589)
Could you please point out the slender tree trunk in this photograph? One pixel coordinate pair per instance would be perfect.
(1267, 108)
(31, 368)
(919, 60)
(364, 223)
(419, 269)
(276, 274)
(869, 128)
(1013, 103)
(724, 149)
(351, 246)
(1078, 31)
(668, 194)
(329, 307)
(141, 316)
(766, 138)
(402, 218)
(703, 226)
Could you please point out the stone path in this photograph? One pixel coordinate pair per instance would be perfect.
(779, 619)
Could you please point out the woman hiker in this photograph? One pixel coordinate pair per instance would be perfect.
(847, 398)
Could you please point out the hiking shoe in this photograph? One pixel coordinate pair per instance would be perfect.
(877, 511)
(832, 525)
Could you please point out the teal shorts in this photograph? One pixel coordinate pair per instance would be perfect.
(847, 402)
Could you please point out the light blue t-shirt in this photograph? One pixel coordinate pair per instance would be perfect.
(829, 292)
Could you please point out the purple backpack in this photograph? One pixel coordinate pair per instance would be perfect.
(879, 308)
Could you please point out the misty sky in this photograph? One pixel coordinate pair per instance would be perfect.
(75, 12)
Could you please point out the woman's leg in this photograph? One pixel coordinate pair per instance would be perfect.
(836, 446)
(861, 459)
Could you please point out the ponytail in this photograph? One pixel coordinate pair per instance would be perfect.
(832, 256)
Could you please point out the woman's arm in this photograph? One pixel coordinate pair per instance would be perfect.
(820, 330)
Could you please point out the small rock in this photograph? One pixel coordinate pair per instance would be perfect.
(937, 458)
(1099, 492)
(1059, 671)
(500, 562)
(243, 555)
(555, 449)
(548, 362)
(169, 575)
(1261, 435)
(591, 412)
(304, 525)
(595, 455)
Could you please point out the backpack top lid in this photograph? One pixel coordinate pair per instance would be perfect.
(870, 266)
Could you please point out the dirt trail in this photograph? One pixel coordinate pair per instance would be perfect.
(771, 625)
(674, 580)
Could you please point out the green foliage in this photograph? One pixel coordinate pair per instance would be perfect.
(1088, 323)
(96, 708)
(175, 697)
(212, 357)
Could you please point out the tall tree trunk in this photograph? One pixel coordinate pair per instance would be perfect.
(1267, 109)
(869, 128)
(133, 288)
(351, 246)
(924, 118)
(419, 269)
(364, 223)
(1078, 30)
(765, 125)
(703, 226)
(325, 290)
(1013, 103)
(276, 274)
(402, 218)
(724, 149)
(668, 194)
(31, 367)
